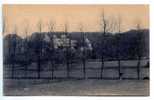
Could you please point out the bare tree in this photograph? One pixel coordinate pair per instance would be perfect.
(40, 25)
(118, 47)
(26, 31)
(51, 26)
(67, 49)
(4, 30)
(39, 55)
(83, 49)
(13, 54)
(51, 49)
(138, 48)
(104, 30)
(107, 25)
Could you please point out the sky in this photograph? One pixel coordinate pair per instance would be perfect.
(75, 16)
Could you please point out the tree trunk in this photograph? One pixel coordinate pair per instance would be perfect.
(102, 54)
(52, 69)
(84, 66)
(102, 66)
(26, 62)
(68, 70)
(67, 63)
(39, 60)
(39, 66)
(13, 59)
(13, 67)
(138, 68)
(119, 68)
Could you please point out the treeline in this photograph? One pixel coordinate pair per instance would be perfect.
(129, 44)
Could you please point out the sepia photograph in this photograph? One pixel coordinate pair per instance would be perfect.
(76, 50)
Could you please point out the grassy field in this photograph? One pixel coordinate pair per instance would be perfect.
(87, 86)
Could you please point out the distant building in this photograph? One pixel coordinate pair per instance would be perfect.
(63, 41)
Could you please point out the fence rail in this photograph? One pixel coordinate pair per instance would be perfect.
(129, 70)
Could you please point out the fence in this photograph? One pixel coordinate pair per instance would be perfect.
(92, 70)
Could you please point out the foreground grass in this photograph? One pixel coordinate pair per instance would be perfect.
(82, 88)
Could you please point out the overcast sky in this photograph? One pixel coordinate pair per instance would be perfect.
(74, 15)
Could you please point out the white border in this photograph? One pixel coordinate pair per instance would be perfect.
(84, 2)
(75, 1)
(1, 54)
